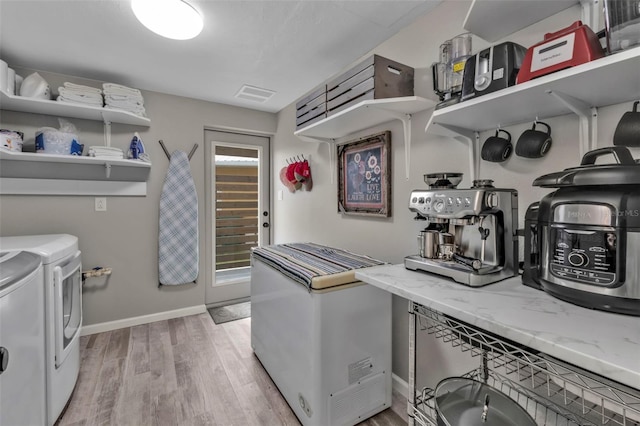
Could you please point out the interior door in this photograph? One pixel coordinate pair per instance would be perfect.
(238, 211)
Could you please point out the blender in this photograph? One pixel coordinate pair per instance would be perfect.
(448, 72)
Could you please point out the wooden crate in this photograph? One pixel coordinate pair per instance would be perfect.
(311, 108)
(374, 78)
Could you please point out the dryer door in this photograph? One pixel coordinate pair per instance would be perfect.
(67, 282)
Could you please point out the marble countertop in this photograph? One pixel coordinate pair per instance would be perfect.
(601, 342)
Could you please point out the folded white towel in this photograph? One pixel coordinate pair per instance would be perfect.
(125, 105)
(115, 157)
(137, 111)
(88, 93)
(115, 99)
(122, 93)
(80, 96)
(80, 100)
(105, 148)
(81, 87)
(119, 89)
(105, 151)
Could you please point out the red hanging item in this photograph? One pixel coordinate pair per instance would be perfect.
(302, 173)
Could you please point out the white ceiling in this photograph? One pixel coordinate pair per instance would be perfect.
(286, 46)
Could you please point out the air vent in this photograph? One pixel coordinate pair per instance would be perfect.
(255, 94)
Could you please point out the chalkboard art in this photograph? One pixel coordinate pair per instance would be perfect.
(364, 173)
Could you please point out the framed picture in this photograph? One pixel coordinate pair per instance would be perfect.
(364, 176)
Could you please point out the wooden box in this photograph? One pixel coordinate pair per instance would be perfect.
(311, 108)
(374, 78)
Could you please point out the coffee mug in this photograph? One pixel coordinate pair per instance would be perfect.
(534, 143)
(628, 129)
(497, 149)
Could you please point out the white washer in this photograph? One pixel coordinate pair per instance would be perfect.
(62, 267)
(22, 367)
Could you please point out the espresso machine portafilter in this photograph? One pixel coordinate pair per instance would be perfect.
(475, 230)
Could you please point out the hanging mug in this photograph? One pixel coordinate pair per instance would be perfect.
(497, 149)
(534, 143)
(628, 129)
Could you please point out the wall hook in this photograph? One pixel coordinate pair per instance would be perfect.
(166, 152)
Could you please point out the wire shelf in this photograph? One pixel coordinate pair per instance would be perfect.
(553, 393)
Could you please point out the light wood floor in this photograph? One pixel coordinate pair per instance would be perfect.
(184, 371)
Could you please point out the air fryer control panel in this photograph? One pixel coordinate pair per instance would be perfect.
(584, 255)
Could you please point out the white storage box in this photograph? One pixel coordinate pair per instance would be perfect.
(327, 350)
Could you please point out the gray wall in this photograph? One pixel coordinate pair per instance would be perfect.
(125, 237)
(312, 216)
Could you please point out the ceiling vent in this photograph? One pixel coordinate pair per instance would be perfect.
(254, 94)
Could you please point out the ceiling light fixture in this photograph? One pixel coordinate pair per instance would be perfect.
(175, 19)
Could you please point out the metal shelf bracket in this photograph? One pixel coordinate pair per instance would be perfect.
(331, 143)
(588, 116)
(107, 131)
(406, 128)
(463, 135)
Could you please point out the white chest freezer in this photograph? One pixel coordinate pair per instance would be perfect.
(323, 337)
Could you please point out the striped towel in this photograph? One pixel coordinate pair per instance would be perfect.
(178, 239)
(314, 265)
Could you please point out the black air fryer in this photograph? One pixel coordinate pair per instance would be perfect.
(589, 233)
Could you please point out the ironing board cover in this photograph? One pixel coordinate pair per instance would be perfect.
(178, 237)
(314, 265)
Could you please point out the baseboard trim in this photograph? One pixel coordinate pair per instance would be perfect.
(399, 385)
(144, 319)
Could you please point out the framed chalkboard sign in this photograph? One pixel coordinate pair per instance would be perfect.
(364, 176)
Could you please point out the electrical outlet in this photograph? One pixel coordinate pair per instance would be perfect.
(101, 204)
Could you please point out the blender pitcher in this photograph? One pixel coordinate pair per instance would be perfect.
(439, 69)
(460, 51)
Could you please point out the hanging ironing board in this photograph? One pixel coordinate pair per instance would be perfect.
(178, 255)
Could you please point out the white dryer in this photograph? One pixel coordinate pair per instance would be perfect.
(22, 366)
(62, 266)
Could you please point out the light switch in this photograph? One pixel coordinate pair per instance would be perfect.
(101, 204)
(280, 195)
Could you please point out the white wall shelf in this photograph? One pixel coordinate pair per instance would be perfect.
(492, 20)
(44, 174)
(64, 109)
(367, 114)
(580, 90)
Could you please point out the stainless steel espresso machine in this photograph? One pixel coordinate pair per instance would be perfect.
(471, 234)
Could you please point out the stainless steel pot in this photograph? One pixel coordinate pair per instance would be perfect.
(466, 402)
